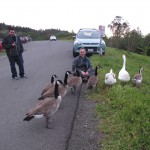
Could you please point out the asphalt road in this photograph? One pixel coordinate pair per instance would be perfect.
(41, 60)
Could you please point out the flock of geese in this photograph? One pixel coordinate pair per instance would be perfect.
(123, 76)
(52, 93)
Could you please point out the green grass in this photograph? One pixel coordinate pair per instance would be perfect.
(123, 109)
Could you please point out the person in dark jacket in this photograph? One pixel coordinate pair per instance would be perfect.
(14, 49)
(83, 64)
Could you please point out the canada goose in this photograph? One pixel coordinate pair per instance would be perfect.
(110, 78)
(93, 80)
(74, 81)
(49, 85)
(138, 77)
(46, 108)
(62, 89)
(123, 74)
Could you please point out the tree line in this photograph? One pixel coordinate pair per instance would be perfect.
(126, 39)
(36, 34)
(123, 37)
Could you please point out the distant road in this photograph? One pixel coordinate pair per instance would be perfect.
(41, 60)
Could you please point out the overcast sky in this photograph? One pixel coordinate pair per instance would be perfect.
(75, 14)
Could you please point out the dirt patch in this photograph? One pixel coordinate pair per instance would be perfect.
(85, 135)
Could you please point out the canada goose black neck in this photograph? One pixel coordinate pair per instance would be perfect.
(66, 76)
(52, 78)
(96, 68)
(56, 92)
(65, 79)
(96, 71)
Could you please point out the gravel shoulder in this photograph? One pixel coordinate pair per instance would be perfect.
(85, 135)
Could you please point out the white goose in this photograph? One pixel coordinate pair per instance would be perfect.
(110, 78)
(138, 78)
(123, 74)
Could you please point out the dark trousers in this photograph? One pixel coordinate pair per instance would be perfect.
(91, 71)
(16, 60)
(21, 58)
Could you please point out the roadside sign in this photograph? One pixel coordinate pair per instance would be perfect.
(102, 30)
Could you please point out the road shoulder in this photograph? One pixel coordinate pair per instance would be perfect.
(85, 135)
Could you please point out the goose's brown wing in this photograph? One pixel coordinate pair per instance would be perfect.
(74, 81)
(42, 107)
(137, 77)
(92, 81)
(47, 87)
(71, 80)
(49, 92)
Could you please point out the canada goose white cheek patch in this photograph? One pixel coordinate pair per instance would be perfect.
(59, 97)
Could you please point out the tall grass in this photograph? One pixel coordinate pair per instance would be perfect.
(123, 109)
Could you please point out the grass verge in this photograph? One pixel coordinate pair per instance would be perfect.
(123, 109)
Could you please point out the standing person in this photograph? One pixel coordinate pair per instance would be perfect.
(83, 64)
(14, 49)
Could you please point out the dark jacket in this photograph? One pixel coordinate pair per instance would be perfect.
(12, 50)
(82, 64)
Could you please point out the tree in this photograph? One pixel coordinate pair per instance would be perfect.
(132, 41)
(147, 44)
(119, 27)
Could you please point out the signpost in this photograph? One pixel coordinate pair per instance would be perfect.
(102, 34)
(102, 30)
